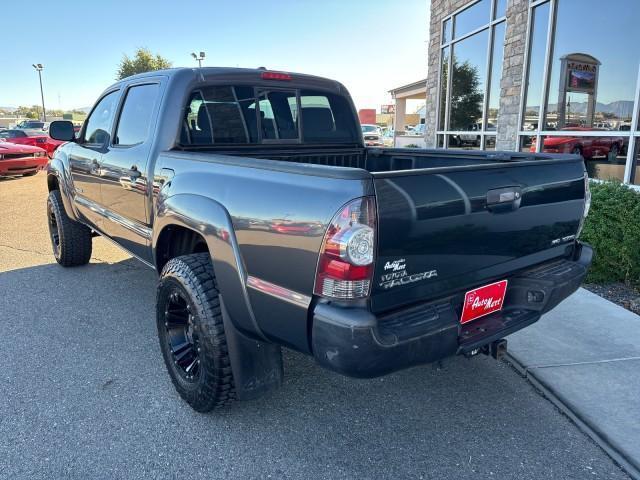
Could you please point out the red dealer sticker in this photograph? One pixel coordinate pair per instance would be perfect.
(483, 301)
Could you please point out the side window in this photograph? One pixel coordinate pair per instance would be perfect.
(135, 117)
(97, 129)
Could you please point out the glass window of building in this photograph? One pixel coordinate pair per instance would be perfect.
(472, 18)
(591, 83)
(468, 76)
(501, 9)
(535, 77)
(593, 76)
(471, 72)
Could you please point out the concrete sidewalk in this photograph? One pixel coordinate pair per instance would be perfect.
(585, 357)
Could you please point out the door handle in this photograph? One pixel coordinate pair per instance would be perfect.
(501, 200)
(134, 173)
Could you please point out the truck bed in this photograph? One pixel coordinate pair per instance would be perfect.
(453, 219)
(389, 160)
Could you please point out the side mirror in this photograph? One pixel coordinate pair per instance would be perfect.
(62, 130)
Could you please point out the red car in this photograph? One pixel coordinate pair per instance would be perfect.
(33, 138)
(21, 159)
(588, 147)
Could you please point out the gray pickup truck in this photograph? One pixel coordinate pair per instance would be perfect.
(270, 224)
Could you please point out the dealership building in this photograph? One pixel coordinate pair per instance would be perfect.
(558, 76)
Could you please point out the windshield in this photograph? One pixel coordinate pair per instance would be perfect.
(369, 129)
(236, 115)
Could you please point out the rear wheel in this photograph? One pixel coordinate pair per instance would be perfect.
(576, 150)
(191, 332)
(70, 240)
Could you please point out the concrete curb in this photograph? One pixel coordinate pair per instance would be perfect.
(628, 465)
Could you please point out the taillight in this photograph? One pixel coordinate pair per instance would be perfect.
(587, 204)
(346, 259)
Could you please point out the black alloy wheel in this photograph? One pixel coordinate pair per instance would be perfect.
(54, 232)
(181, 335)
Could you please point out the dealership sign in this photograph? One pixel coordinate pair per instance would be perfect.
(388, 109)
(581, 77)
(578, 73)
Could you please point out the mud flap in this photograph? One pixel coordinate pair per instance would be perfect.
(256, 365)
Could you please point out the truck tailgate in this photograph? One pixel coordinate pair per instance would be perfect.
(442, 230)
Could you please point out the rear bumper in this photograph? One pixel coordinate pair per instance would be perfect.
(355, 342)
(20, 166)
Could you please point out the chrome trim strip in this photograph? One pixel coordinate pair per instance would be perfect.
(144, 232)
(279, 292)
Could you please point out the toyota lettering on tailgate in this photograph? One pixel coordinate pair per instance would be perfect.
(483, 301)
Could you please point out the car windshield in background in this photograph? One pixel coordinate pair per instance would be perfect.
(369, 129)
(228, 115)
(33, 125)
(12, 134)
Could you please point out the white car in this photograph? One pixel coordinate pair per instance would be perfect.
(372, 135)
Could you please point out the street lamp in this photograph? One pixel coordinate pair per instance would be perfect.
(199, 58)
(39, 68)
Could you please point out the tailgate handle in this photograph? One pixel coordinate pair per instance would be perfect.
(506, 199)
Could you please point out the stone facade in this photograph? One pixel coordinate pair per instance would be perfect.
(439, 10)
(512, 75)
(512, 69)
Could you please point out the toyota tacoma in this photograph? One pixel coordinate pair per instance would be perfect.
(271, 225)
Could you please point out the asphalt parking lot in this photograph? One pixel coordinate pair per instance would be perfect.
(85, 394)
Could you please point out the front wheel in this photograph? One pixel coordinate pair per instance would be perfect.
(191, 332)
(71, 241)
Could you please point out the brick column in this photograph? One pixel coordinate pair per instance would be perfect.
(512, 75)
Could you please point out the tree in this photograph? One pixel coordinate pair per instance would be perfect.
(466, 95)
(142, 61)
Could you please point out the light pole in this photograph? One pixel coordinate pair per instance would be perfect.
(39, 68)
(199, 58)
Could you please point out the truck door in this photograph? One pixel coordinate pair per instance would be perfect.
(124, 176)
(86, 155)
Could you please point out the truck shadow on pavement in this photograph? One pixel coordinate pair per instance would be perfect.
(86, 394)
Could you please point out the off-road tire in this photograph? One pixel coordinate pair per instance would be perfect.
(192, 276)
(71, 241)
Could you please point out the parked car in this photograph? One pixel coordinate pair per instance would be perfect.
(419, 130)
(374, 260)
(32, 125)
(31, 137)
(372, 135)
(589, 147)
(21, 160)
(471, 138)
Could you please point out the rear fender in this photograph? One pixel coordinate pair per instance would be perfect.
(255, 362)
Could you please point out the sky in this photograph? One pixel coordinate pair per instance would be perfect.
(371, 46)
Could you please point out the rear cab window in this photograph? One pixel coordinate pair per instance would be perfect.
(245, 115)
